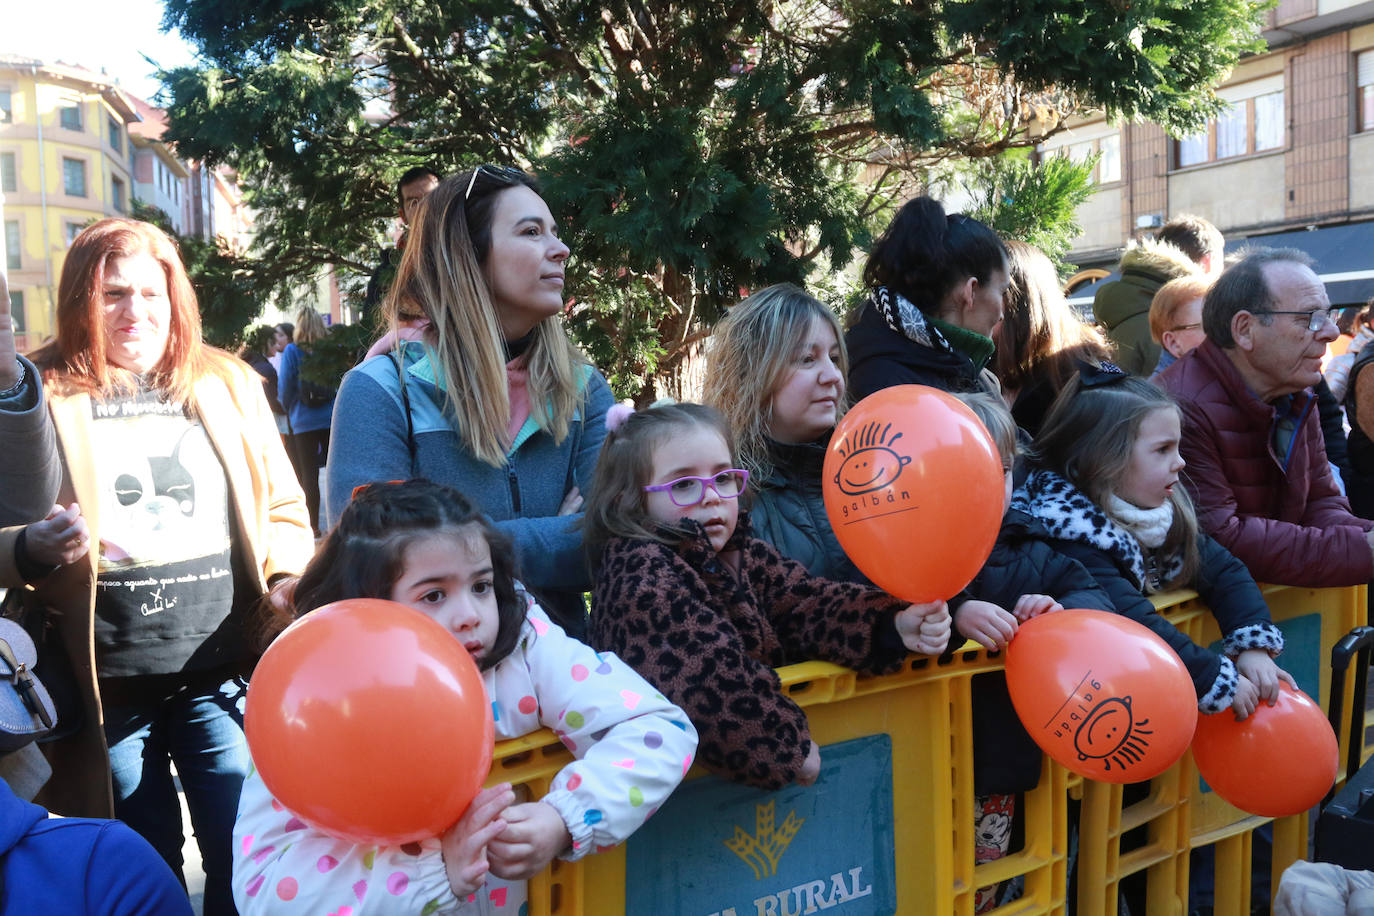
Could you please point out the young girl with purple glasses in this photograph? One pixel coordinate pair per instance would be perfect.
(689, 598)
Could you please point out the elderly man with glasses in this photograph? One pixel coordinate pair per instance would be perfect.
(1257, 465)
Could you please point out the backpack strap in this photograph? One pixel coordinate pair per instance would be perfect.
(395, 356)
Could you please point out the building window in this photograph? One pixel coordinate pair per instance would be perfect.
(13, 261)
(74, 177)
(17, 311)
(1364, 90)
(117, 193)
(6, 106)
(1254, 123)
(9, 173)
(69, 116)
(1107, 147)
(116, 136)
(73, 230)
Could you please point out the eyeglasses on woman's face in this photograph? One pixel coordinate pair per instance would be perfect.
(685, 492)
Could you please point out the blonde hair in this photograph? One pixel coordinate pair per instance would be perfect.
(1171, 297)
(750, 357)
(441, 271)
(310, 328)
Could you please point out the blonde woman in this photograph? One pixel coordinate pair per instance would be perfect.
(309, 407)
(495, 400)
(776, 370)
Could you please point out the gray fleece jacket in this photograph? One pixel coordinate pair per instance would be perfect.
(30, 472)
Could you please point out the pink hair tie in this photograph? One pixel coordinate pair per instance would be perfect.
(617, 414)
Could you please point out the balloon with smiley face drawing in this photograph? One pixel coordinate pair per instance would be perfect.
(913, 489)
(1101, 694)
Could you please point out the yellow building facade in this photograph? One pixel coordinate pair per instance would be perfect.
(65, 160)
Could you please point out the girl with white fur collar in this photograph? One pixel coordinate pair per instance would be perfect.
(1106, 489)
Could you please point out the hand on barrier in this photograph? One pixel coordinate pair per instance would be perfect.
(1028, 606)
(572, 502)
(1246, 698)
(464, 845)
(534, 834)
(986, 623)
(1258, 667)
(61, 538)
(811, 767)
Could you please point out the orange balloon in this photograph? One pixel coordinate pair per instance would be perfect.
(370, 721)
(913, 489)
(1279, 761)
(1101, 694)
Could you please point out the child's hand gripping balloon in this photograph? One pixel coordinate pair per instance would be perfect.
(1257, 666)
(924, 628)
(1028, 606)
(989, 625)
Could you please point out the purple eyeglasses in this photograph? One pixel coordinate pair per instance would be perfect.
(686, 492)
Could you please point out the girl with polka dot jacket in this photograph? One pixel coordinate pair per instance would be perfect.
(424, 545)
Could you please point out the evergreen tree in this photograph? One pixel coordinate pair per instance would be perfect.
(692, 150)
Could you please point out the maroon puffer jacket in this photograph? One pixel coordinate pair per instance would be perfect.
(1285, 520)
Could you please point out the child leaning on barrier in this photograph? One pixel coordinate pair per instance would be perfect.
(1026, 574)
(1105, 487)
(424, 545)
(703, 609)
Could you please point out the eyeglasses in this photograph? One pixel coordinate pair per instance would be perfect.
(1315, 320)
(686, 492)
(1188, 327)
(504, 174)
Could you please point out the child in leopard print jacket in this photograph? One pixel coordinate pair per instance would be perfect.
(1106, 490)
(705, 611)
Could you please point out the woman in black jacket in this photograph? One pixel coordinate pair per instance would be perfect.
(936, 284)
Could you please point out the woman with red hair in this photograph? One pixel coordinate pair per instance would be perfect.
(170, 455)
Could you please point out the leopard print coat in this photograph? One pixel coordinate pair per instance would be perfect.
(710, 640)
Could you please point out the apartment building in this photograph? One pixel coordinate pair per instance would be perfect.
(64, 161)
(1290, 164)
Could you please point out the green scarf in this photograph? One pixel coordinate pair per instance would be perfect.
(970, 343)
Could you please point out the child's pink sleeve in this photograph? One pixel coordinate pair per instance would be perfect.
(283, 866)
(633, 745)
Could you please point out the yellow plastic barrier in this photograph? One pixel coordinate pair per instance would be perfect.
(889, 827)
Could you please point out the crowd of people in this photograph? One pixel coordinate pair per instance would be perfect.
(162, 513)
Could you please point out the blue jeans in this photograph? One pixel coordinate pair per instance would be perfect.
(200, 729)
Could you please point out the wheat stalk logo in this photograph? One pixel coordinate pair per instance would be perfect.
(762, 851)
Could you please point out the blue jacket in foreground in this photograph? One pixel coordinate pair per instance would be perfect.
(74, 866)
(368, 444)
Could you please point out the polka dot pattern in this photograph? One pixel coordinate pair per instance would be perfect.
(287, 888)
(579, 673)
(575, 719)
(397, 882)
(527, 704)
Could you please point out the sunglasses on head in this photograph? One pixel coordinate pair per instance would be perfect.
(502, 174)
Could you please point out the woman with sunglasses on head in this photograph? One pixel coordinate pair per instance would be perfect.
(494, 400)
(936, 283)
(702, 609)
